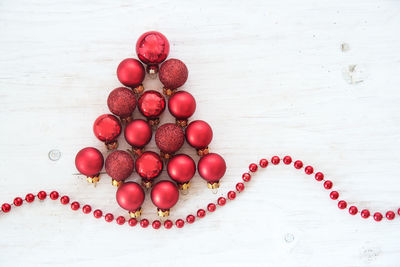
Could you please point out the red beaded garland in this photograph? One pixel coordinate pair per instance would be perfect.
(18, 201)
(144, 223)
(211, 207)
(275, 160)
(390, 215)
(378, 216)
(109, 217)
(156, 224)
(231, 195)
(353, 210)
(168, 224)
(132, 222)
(342, 204)
(6, 207)
(42, 195)
(334, 195)
(309, 170)
(365, 214)
(221, 201)
(75, 205)
(239, 187)
(287, 160)
(328, 184)
(201, 213)
(29, 198)
(120, 220)
(298, 164)
(319, 176)
(253, 167)
(263, 163)
(180, 223)
(54, 195)
(64, 200)
(97, 214)
(398, 211)
(190, 218)
(246, 177)
(86, 209)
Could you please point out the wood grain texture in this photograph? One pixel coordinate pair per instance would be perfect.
(269, 76)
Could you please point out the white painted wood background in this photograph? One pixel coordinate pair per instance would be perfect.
(269, 76)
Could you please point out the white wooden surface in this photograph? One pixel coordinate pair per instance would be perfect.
(270, 77)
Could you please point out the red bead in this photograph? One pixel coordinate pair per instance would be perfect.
(298, 164)
(89, 161)
(173, 73)
(239, 187)
(109, 217)
(231, 195)
(169, 138)
(253, 167)
(97, 213)
(144, 223)
(119, 165)
(308, 170)
(168, 224)
(319, 176)
(75, 205)
(64, 200)
(152, 48)
(378, 216)
(390, 215)
(334, 195)
(107, 128)
(121, 220)
(398, 211)
(122, 102)
(180, 223)
(275, 160)
(221, 201)
(201, 213)
(353, 210)
(130, 72)
(212, 167)
(130, 196)
(6, 207)
(190, 218)
(328, 184)
(42, 195)
(181, 168)
(18, 201)
(86, 209)
(263, 163)
(181, 105)
(211, 207)
(132, 222)
(138, 133)
(342, 204)
(30, 198)
(151, 104)
(156, 224)
(54, 195)
(287, 160)
(164, 195)
(246, 177)
(199, 134)
(365, 214)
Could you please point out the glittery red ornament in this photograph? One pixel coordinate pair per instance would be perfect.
(89, 161)
(164, 196)
(130, 196)
(119, 166)
(107, 128)
(173, 74)
(182, 105)
(149, 166)
(138, 134)
(122, 102)
(151, 104)
(152, 48)
(169, 138)
(199, 135)
(181, 168)
(212, 168)
(130, 72)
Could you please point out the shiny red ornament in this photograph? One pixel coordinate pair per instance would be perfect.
(173, 74)
(253, 167)
(149, 166)
(182, 105)
(169, 139)
(334, 195)
(151, 104)
(138, 134)
(89, 161)
(211, 207)
(109, 217)
(342, 204)
(231, 195)
(86, 209)
(152, 48)
(328, 184)
(132, 222)
(119, 166)
(298, 164)
(239, 187)
(246, 177)
(164, 196)
(130, 72)
(130, 196)
(181, 168)
(122, 102)
(107, 128)
(199, 135)
(212, 168)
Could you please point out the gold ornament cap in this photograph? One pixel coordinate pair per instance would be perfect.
(166, 156)
(184, 186)
(213, 185)
(116, 183)
(147, 184)
(153, 122)
(112, 145)
(163, 213)
(136, 214)
(169, 92)
(126, 120)
(182, 123)
(138, 89)
(93, 179)
(203, 151)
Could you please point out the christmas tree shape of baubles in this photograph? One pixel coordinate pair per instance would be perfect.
(152, 49)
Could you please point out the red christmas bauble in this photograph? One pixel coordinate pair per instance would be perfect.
(130, 196)
(130, 72)
(138, 133)
(89, 161)
(152, 48)
(119, 165)
(151, 104)
(121, 102)
(169, 138)
(107, 128)
(199, 134)
(182, 105)
(211, 167)
(181, 168)
(164, 195)
(173, 73)
(149, 165)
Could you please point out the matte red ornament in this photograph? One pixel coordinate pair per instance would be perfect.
(89, 161)
(152, 48)
(151, 104)
(130, 196)
(138, 133)
(212, 168)
(199, 135)
(181, 168)
(130, 72)
(169, 139)
(182, 106)
(164, 196)
(119, 166)
(149, 166)
(122, 102)
(173, 74)
(107, 128)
